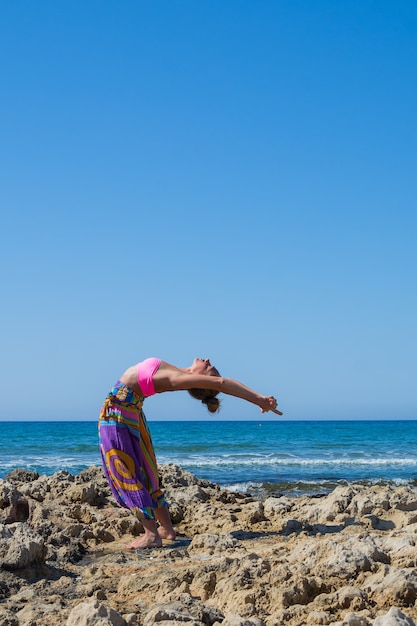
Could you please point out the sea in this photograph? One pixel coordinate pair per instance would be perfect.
(267, 457)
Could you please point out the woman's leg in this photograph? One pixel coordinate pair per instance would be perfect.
(166, 529)
(153, 535)
(161, 511)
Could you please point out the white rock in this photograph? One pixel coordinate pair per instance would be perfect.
(277, 506)
(94, 614)
(352, 619)
(25, 548)
(168, 615)
(236, 620)
(316, 618)
(213, 543)
(394, 617)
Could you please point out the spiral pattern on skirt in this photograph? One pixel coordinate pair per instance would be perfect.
(127, 452)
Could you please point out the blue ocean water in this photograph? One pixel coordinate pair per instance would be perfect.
(272, 456)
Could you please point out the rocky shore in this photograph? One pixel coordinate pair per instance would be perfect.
(346, 558)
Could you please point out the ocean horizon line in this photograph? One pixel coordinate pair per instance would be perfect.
(224, 421)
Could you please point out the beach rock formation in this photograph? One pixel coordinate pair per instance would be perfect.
(347, 558)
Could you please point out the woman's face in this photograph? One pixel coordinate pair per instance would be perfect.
(203, 366)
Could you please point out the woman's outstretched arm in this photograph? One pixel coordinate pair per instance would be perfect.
(235, 388)
(173, 379)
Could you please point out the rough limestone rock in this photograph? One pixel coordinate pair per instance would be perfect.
(393, 586)
(7, 618)
(394, 617)
(277, 506)
(213, 543)
(237, 620)
(184, 611)
(345, 556)
(94, 614)
(352, 619)
(348, 558)
(23, 548)
(37, 613)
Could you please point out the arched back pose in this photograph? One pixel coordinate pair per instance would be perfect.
(125, 442)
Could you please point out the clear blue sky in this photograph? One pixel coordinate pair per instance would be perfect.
(226, 178)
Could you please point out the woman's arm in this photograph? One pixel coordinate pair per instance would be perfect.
(239, 390)
(173, 379)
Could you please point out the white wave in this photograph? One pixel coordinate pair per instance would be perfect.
(49, 462)
(293, 462)
(301, 485)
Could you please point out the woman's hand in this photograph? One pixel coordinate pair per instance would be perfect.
(269, 403)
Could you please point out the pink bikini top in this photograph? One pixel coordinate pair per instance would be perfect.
(146, 371)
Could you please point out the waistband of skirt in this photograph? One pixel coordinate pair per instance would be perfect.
(122, 393)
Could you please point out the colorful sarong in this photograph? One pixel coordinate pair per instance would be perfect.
(127, 452)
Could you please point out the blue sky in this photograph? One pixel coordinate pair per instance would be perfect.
(228, 179)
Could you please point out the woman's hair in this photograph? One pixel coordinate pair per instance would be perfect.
(207, 397)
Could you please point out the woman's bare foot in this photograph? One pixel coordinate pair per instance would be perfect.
(145, 542)
(165, 533)
(150, 539)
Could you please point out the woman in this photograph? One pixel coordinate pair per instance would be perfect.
(125, 442)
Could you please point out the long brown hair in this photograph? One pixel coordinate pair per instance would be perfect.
(207, 397)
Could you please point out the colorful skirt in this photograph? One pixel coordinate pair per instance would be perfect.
(127, 453)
